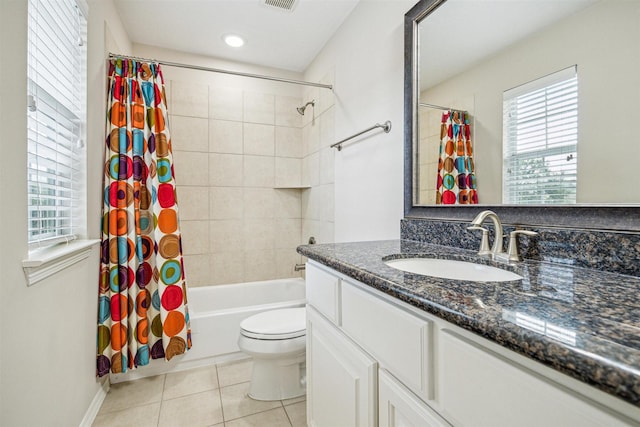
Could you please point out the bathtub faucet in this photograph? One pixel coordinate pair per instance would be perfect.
(299, 267)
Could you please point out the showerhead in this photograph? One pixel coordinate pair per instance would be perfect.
(304, 107)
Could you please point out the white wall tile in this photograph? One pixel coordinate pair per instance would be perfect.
(288, 142)
(189, 99)
(259, 203)
(311, 138)
(225, 170)
(286, 259)
(286, 113)
(226, 235)
(259, 171)
(311, 169)
(226, 203)
(325, 202)
(195, 237)
(288, 172)
(191, 168)
(327, 129)
(226, 267)
(189, 133)
(288, 232)
(288, 203)
(259, 234)
(225, 137)
(259, 139)
(259, 264)
(197, 270)
(259, 108)
(193, 203)
(225, 103)
(326, 167)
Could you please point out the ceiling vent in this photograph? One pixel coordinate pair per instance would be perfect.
(281, 4)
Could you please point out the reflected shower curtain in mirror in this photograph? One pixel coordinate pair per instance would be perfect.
(142, 302)
(456, 181)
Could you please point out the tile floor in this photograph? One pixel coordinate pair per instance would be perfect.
(209, 396)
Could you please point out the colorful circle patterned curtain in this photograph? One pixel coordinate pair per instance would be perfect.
(456, 181)
(142, 305)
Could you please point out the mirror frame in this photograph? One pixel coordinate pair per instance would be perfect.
(584, 216)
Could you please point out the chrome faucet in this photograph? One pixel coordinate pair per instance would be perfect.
(476, 224)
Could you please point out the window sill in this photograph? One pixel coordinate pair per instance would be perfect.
(45, 262)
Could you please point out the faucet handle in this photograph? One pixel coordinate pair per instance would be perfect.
(484, 243)
(512, 250)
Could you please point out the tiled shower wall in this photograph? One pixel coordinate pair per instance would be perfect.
(232, 149)
(318, 165)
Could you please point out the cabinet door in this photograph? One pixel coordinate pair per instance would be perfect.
(398, 407)
(401, 342)
(479, 388)
(341, 378)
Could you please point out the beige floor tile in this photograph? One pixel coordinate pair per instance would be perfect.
(140, 416)
(294, 400)
(195, 410)
(133, 393)
(193, 381)
(297, 414)
(273, 418)
(235, 373)
(236, 403)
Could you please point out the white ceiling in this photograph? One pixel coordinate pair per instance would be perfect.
(462, 32)
(274, 37)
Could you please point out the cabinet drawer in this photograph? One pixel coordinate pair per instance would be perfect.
(323, 292)
(397, 339)
(397, 406)
(479, 388)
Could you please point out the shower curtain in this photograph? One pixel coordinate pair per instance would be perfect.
(142, 302)
(456, 180)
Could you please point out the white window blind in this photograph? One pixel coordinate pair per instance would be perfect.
(540, 140)
(56, 121)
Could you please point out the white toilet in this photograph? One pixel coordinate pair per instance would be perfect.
(276, 341)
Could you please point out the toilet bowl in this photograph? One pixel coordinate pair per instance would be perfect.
(276, 340)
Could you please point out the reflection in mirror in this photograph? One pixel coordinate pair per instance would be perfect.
(509, 67)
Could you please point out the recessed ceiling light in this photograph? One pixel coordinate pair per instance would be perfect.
(233, 40)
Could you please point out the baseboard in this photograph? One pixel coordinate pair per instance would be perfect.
(96, 403)
(159, 367)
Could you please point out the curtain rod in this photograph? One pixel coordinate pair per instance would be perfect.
(218, 70)
(424, 104)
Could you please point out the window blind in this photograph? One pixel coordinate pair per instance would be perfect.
(55, 121)
(540, 140)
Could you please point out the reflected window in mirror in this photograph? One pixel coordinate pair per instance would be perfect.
(540, 140)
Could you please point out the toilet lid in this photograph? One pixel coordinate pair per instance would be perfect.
(275, 324)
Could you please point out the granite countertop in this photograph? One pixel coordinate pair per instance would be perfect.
(582, 322)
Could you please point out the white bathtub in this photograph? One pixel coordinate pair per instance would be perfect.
(216, 312)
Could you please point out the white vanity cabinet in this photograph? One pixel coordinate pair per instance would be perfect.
(373, 360)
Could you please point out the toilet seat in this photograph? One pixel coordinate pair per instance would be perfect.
(286, 323)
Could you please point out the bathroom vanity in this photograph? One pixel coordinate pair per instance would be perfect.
(559, 347)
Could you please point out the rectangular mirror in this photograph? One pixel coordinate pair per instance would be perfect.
(469, 56)
(472, 56)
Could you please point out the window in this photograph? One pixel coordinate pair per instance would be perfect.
(56, 121)
(540, 140)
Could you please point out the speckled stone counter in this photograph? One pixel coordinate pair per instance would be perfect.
(582, 322)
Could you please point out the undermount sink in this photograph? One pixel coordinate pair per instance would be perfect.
(453, 269)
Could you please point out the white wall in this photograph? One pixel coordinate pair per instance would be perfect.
(47, 331)
(367, 58)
